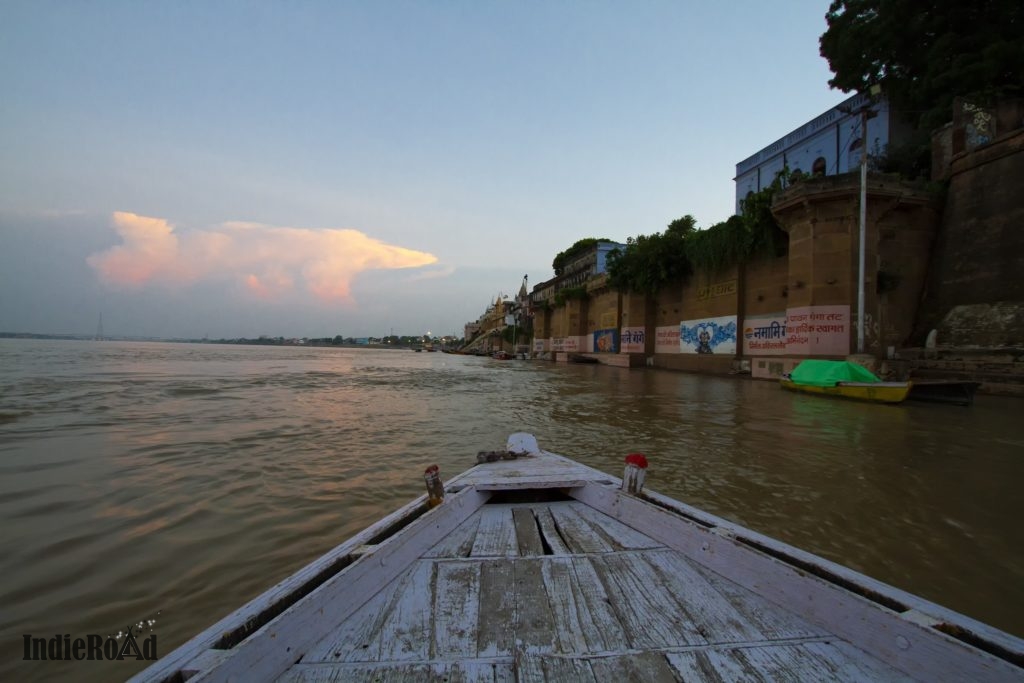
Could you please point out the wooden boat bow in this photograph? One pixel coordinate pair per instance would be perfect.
(537, 567)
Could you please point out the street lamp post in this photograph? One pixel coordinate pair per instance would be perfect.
(863, 225)
(866, 113)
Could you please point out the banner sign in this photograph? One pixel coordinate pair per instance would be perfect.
(709, 335)
(818, 331)
(633, 340)
(764, 335)
(666, 339)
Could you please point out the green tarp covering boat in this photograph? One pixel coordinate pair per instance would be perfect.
(845, 380)
(829, 373)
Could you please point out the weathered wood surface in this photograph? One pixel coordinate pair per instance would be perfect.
(876, 617)
(557, 591)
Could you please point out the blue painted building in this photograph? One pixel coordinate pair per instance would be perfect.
(826, 145)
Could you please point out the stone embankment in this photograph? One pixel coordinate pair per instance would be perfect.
(1000, 371)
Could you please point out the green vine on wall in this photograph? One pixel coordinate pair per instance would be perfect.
(569, 294)
(649, 262)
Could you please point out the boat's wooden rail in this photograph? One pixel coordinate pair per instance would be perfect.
(263, 639)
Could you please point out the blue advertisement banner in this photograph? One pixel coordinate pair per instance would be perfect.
(711, 335)
(606, 341)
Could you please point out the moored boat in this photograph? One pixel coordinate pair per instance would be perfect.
(843, 379)
(530, 566)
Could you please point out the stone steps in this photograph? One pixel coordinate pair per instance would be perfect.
(1000, 371)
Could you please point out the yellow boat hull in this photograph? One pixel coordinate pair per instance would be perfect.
(881, 392)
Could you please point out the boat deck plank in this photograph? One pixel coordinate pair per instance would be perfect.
(456, 609)
(548, 472)
(497, 609)
(583, 617)
(527, 532)
(548, 528)
(809, 661)
(496, 535)
(399, 672)
(559, 591)
(459, 543)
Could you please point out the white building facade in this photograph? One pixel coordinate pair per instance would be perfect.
(829, 144)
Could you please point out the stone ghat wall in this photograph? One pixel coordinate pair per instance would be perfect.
(975, 295)
(800, 304)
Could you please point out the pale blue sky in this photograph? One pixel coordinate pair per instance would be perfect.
(487, 135)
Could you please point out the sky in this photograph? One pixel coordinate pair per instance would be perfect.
(307, 169)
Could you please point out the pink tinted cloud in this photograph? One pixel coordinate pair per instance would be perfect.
(266, 260)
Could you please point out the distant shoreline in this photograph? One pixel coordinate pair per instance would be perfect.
(224, 342)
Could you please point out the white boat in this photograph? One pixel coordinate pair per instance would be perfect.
(537, 568)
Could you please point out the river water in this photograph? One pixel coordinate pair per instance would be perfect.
(166, 484)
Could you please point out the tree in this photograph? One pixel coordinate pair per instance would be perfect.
(926, 52)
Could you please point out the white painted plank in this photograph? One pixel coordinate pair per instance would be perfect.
(605, 632)
(837, 661)
(614, 532)
(700, 603)
(649, 614)
(405, 633)
(207, 660)
(357, 638)
(911, 648)
(359, 673)
(774, 622)
(557, 669)
(717, 665)
(496, 535)
(413, 672)
(577, 532)
(455, 611)
(495, 637)
(529, 669)
(649, 667)
(550, 531)
(817, 661)
(478, 672)
(534, 623)
(569, 615)
(458, 543)
(527, 534)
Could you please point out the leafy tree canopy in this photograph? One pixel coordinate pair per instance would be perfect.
(650, 262)
(926, 52)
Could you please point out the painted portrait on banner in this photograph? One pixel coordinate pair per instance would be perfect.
(764, 335)
(633, 340)
(666, 339)
(708, 336)
(818, 331)
(606, 341)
